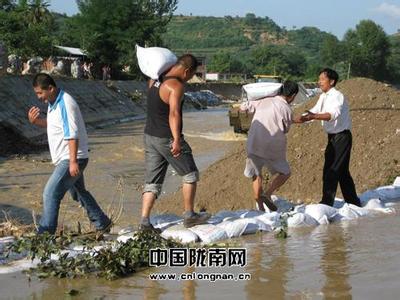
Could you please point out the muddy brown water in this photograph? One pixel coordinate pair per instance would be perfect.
(357, 259)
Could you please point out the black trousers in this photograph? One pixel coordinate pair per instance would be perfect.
(336, 169)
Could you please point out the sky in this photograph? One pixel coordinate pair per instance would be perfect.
(334, 16)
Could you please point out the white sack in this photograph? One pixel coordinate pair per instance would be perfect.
(270, 218)
(180, 233)
(301, 219)
(254, 225)
(154, 61)
(260, 90)
(318, 211)
(233, 228)
(209, 233)
(164, 221)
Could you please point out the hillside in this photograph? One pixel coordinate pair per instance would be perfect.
(375, 157)
(208, 35)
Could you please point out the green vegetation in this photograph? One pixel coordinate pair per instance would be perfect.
(111, 262)
(109, 30)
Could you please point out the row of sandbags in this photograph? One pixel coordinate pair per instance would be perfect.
(230, 224)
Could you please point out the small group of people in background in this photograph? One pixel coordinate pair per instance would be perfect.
(165, 145)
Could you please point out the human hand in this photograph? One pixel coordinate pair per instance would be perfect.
(33, 114)
(73, 168)
(307, 116)
(176, 148)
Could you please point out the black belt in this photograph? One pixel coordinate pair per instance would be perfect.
(333, 134)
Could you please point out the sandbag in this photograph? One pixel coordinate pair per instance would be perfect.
(209, 233)
(233, 228)
(301, 219)
(164, 221)
(318, 211)
(180, 233)
(254, 225)
(154, 61)
(260, 90)
(270, 218)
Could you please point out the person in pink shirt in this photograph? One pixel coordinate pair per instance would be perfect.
(266, 142)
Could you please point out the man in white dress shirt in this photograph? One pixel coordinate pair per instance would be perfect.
(332, 109)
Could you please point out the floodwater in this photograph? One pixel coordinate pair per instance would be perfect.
(359, 259)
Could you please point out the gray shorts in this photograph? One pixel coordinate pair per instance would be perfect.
(157, 158)
(254, 165)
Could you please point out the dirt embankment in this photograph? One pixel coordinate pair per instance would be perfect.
(375, 110)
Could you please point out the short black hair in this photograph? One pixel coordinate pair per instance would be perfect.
(331, 74)
(289, 88)
(188, 61)
(44, 81)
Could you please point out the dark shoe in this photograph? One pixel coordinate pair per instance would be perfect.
(105, 229)
(268, 202)
(196, 219)
(149, 228)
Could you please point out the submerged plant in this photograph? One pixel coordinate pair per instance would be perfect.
(111, 261)
(282, 231)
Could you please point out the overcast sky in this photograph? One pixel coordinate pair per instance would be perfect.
(334, 16)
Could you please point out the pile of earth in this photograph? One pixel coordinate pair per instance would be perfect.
(375, 161)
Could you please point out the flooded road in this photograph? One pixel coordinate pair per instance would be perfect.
(115, 174)
(358, 259)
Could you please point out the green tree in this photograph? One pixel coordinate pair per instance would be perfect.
(109, 30)
(225, 62)
(23, 35)
(332, 51)
(393, 62)
(367, 50)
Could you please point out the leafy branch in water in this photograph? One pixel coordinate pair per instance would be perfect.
(282, 231)
(111, 261)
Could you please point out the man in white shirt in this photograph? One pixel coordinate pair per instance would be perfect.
(68, 145)
(332, 109)
(266, 141)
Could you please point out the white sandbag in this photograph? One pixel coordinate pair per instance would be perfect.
(254, 225)
(214, 220)
(367, 195)
(318, 211)
(19, 265)
(209, 233)
(348, 213)
(251, 213)
(154, 61)
(373, 203)
(270, 218)
(126, 237)
(388, 192)
(180, 233)
(226, 213)
(164, 221)
(301, 219)
(233, 228)
(258, 90)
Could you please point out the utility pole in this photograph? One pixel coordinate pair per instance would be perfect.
(348, 71)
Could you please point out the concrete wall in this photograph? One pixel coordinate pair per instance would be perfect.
(231, 91)
(98, 103)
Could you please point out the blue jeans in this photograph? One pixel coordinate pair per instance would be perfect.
(57, 185)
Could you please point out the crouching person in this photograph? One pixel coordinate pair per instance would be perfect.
(266, 142)
(68, 145)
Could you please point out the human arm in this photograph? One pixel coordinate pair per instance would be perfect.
(174, 101)
(33, 117)
(73, 157)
